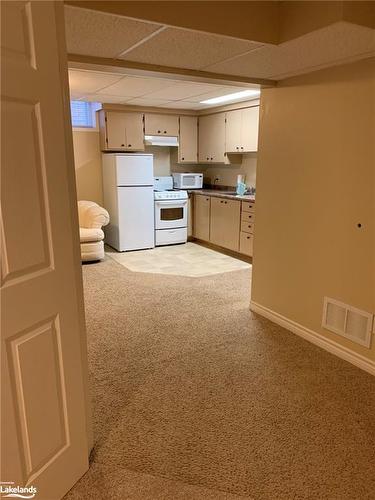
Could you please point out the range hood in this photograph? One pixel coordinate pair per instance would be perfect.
(161, 140)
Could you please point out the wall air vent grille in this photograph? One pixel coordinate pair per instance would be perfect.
(347, 321)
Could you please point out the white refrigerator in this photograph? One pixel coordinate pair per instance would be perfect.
(128, 189)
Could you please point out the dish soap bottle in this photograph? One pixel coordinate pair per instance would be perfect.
(241, 186)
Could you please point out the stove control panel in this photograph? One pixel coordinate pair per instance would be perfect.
(171, 195)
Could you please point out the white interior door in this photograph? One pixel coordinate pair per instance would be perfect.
(43, 412)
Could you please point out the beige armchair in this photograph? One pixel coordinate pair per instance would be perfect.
(92, 218)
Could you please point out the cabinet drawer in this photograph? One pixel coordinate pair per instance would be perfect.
(246, 243)
(248, 206)
(248, 216)
(247, 227)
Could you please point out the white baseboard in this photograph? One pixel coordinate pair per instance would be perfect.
(315, 338)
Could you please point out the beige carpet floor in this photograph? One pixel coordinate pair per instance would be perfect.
(195, 397)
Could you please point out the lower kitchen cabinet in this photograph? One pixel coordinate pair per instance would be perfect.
(246, 243)
(201, 225)
(225, 223)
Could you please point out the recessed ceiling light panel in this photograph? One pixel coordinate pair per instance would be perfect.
(232, 97)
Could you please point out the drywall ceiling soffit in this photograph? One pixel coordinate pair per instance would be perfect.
(362, 13)
(120, 67)
(336, 44)
(299, 18)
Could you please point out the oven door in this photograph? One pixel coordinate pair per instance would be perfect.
(170, 214)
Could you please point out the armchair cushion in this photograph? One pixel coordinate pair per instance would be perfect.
(87, 234)
(91, 219)
(91, 215)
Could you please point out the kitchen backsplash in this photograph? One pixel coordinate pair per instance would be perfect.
(221, 175)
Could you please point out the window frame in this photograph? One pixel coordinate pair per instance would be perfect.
(94, 107)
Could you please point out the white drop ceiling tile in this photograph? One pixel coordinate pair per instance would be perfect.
(333, 44)
(136, 86)
(140, 101)
(90, 81)
(216, 93)
(181, 105)
(181, 91)
(188, 49)
(100, 34)
(106, 98)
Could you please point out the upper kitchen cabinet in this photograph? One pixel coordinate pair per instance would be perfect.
(241, 130)
(188, 140)
(121, 131)
(161, 124)
(212, 138)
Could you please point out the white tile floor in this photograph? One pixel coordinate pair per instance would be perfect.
(189, 259)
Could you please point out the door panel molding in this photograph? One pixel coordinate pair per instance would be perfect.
(32, 190)
(22, 374)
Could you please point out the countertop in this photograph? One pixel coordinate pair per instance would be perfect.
(222, 194)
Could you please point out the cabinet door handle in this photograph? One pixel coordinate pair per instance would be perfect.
(207, 158)
(237, 147)
(211, 158)
(182, 158)
(159, 131)
(247, 237)
(241, 147)
(165, 131)
(225, 202)
(129, 145)
(122, 145)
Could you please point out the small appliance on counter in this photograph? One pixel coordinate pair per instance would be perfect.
(187, 181)
(170, 212)
(241, 185)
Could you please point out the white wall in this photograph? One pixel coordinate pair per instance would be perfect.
(227, 175)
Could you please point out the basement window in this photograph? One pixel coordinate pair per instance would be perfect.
(83, 114)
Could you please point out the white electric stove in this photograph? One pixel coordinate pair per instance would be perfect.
(171, 217)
